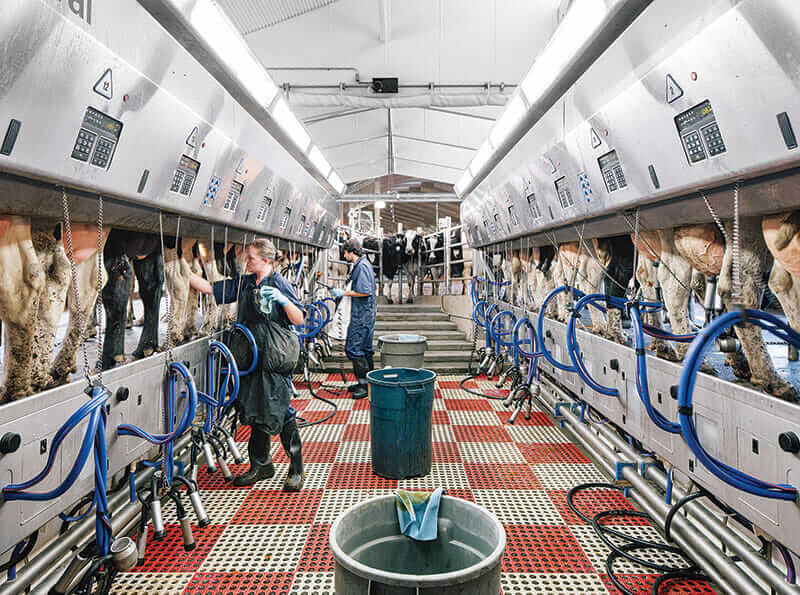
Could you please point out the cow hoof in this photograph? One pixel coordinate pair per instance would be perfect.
(118, 359)
(409, 301)
(738, 364)
(389, 301)
(784, 391)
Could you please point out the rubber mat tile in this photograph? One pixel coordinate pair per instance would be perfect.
(359, 417)
(300, 404)
(467, 405)
(452, 384)
(339, 417)
(541, 583)
(357, 476)
(442, 475)
(356, 432)
(537, 418)
(527, 434)
(313, 452)
(490, 452)
(543, 548)
(155, 583)
(242, 433)
(590, 502)
(501, 476)
(317, 555)
(442, 433)
(239, 583)
(553, 452)
(563, 476)
(335, 502)
(168, 555)
(353, 452)
(361, 405)
(440, 418)
(481, 434)
(446, 452)
(275, 507)
(313, 583)
(474, 418)
(597, 551)
(463, 494)
(336, 377)
(319, 405)
(519, 507)
(220, 506)
(322, 433)
(460, 394)
(257, 548)
(437, 393)
(216, 481)
(641, 583)
(316, 476)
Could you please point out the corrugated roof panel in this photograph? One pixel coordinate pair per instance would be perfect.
(250, 16)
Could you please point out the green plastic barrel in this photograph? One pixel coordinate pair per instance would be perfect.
(401, 408)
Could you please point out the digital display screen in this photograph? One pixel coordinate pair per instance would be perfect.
(694, 115)
(189, 163)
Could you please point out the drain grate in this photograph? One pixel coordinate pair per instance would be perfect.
(257, 548)
(501, 476)
(317, 555)
(519, 507)
(554, 452)
(239, 583)
(543, 548)
(490, 452)
(481, 434)
(444, 475)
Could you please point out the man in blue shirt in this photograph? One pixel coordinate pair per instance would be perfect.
(358, 346)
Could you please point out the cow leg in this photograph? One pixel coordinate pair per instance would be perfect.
(150, 277)
(674, 276)
(411, 279)
(594, 284)
(753, 257)
(647, 277)
(86, 273)
(21, 284)
(193, 302)
(130, 322)
(115, 302)
(55, 266)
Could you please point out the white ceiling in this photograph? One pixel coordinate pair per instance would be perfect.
(450, 42)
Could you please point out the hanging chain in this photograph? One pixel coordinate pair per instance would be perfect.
(736, 292)
(169, 297)
(74, 274)
(241, 272)
(715, 217)
(98, 304)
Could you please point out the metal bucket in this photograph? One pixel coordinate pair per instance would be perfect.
(373, 558)
(403, 350)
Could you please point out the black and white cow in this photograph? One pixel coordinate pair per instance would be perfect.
(391, 250)
(412, 254)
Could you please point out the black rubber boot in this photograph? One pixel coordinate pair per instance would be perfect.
(261, 466)
(361, 367)
(371, 361)
(290, 438)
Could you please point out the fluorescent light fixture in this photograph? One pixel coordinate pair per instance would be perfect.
(318, 160)
(465, 179)
(290, 124)
(508, 120)
(380, 204)
(581, 21)
(481, 157)
(221, 35)
(336, 182)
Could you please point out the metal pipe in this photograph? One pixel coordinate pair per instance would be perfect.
(761, 567)
(80, 534)
(620, 15)
(338, 114)
(397, 197)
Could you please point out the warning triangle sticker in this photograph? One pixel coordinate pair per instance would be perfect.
(191, 140)
(674, 91)
(596, 142)
(240, 166)
(105, 85)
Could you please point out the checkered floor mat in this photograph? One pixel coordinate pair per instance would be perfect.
(264, 541)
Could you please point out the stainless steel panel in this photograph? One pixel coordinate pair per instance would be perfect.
(51, 63)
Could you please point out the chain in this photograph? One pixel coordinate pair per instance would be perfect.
(635, 258)
(74, 274)
(605, 270)
(736, 293)
(241, 272)
(715, 217)
(98, 304)
(169, 298)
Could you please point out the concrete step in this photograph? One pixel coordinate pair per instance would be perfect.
(444, 335)
(401, 316)
(392, 308)
(413, 326)
(432, 357)
(441, 345)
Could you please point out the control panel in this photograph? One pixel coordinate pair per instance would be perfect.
(512, 216)
(234, 194)
(97, 138)
(700, 133)
(301, 225)
(213, 189)
(564, 195)
(533, 206)
(611, 169)
(263, 209)
(287, 214)
(309, 226)
(185, 175)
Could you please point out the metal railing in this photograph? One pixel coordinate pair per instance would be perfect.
(337, 248)
(447, 263)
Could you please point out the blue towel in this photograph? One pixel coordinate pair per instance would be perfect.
(418, 513)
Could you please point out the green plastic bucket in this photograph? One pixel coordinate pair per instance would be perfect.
(400, 412)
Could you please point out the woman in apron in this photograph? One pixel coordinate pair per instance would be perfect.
(268, 306)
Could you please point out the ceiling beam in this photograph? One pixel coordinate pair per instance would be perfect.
(456, 113)
(337, 114)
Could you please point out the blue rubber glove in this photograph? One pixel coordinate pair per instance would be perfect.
(273, 294)
(337, 293)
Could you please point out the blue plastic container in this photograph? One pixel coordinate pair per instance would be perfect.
(400, 415)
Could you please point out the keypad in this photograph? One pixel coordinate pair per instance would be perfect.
(213, 188)
(102, 153)
(694, 147)
(713, 139)
(177, 180)
(186, 187)
(564, 195)
(83, 145)
(620, 176)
